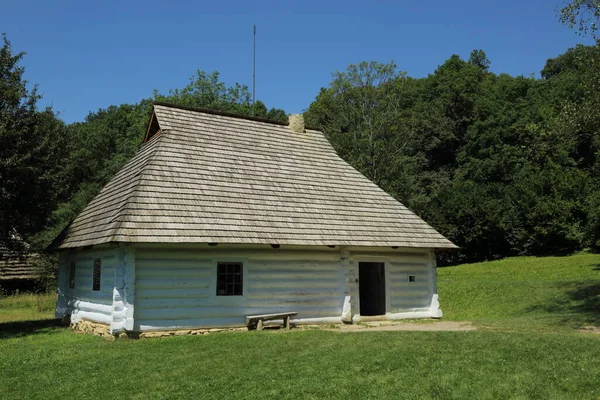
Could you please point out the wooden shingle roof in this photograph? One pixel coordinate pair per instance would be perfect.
(17, 266)
(212, 178)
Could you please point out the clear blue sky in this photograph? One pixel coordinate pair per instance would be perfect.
(86, 55)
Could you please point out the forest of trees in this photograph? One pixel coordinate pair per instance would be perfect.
(501, 165)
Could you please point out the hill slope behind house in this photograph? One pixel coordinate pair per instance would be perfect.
(524, 293)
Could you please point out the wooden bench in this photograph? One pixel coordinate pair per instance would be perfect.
(256, 321)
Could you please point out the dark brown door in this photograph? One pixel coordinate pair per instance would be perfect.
(371, 285)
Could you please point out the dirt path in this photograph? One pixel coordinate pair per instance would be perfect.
(590, 329)
(408, 326)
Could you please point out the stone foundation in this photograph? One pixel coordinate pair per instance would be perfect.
(91, 327)
(103, 330)
(184, 332)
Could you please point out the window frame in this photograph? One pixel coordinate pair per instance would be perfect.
(241, 273)
(97, 273)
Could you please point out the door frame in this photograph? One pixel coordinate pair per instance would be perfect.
(386, 273)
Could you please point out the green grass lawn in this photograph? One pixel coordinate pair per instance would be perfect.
(27, 307)
(528, 310)
(524, 293)
(305, 364)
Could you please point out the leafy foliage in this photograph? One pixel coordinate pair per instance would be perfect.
(207, 91)
(584, 15)
(501, 165)
(31, 145)
(357, 110)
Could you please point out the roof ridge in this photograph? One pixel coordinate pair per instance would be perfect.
(228, 114)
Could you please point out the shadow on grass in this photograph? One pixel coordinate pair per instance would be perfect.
(580, 304)
(589, 297)
(27, 328)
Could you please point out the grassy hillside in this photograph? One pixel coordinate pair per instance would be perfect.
(528, 346)
(524, 293)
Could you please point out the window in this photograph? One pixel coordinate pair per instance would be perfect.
(72, 275)
(96, 275)
(412, 278)
(229, 279)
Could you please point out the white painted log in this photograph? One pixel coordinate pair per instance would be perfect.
(318, 320)
(293, 285)
(407, 259)
(90, 316)
(174, 293)
(347, 310)
(180, 272)
(221, 323)
(88, 306)
(434, 309)
(193, 323)
(149, 315)
(410, 315)
(175, 283)
(303, 292)
(275, 266)
(208, 254)
(294, 275)
(175, 263)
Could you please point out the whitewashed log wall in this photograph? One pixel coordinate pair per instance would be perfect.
(82, 302)
(404, 299)
(146, 288)
(124, 290)
(178, 288)
(405, 295)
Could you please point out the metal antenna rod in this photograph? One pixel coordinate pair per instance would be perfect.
(254, 74)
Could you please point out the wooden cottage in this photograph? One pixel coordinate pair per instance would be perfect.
(219, 217)
(17, 269)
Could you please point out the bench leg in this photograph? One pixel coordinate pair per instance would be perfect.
(286, 322)
(259, 326)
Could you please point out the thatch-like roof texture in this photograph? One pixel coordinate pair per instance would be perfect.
(17, 266)
(211, 178)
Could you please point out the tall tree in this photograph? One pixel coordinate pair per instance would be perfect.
(31, 143)
(360, 113)
(479, 59)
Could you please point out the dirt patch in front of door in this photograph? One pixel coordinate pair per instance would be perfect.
(437, 326)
